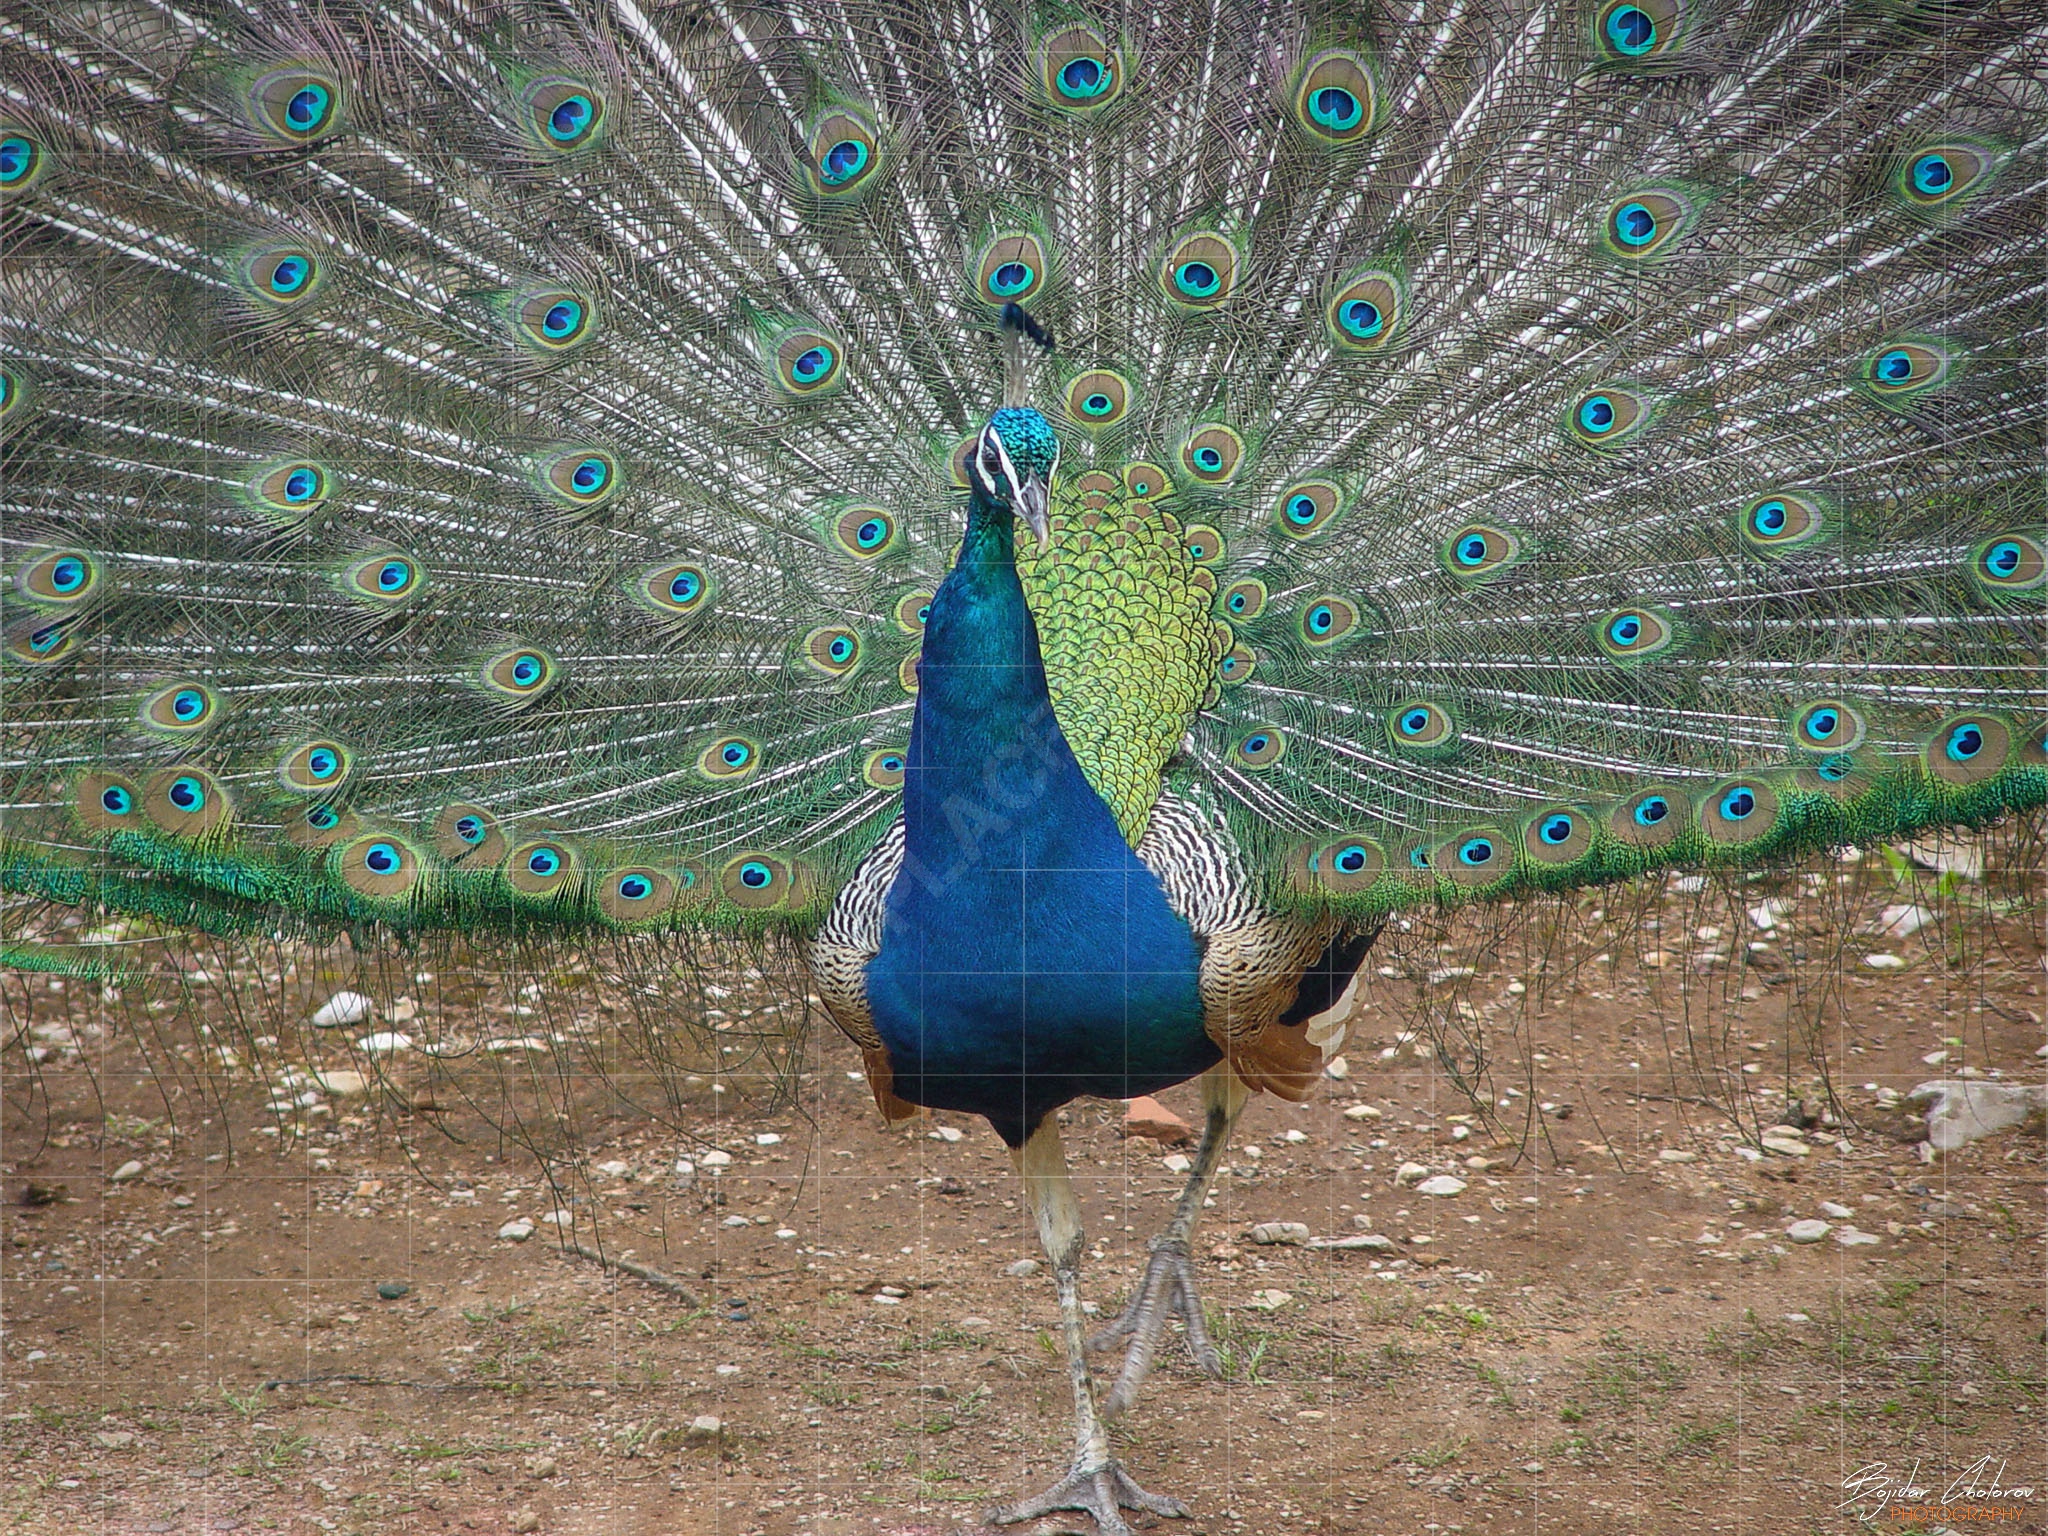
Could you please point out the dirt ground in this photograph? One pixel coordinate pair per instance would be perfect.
(238, 1295)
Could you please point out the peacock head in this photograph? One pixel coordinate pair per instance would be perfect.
(1014, 464)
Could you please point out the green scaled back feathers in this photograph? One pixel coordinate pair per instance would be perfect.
(464, 476)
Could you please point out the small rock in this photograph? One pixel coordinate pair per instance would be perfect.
(1482, 1164)
(716, 1159)
(1283, 1233)
(1961, 1112)
(115, 1439)
(1461, 1133)
(342, 1082)
(768, 1139)
(1850, 1237)
(1807, 1231)
(1147, 1117)
(393, 1290)
(1884, 961)
(342, 1008)
(1902, 921)
(1271, 1301)
(525, 1522)
(894, 1292)
(1518, 989)
(1451, 973)
(384, 1043)
(1337, 1068)
(704, 1428)
(1785, 1146)
(1362, 1112)
(1023, 1269)
(737, 1221)
(1224, 1253)
(948, 1133)
(1532, 1467)
(615, 1169)
(1835, 1209)
(1177, 1162)
(1441, 1184)
(128, 1170)
(1674, 1155)
(540, 1466)
(561, 1218)
(516, 1231)
(1310, 1415)
(685, 1169)
(1410, 1173)
(1371, 1242)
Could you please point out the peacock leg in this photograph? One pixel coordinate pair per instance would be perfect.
(1168, 1289)
(1097, 1485)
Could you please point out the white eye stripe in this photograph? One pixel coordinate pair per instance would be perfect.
(990, 436)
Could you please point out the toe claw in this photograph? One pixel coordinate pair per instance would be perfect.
(1166, 1291)
(1101, 1493)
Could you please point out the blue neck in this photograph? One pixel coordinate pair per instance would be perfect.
(987, 759)
(1027, 956)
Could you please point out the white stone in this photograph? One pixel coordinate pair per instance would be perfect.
(1785, 1146)
(1961, 1112)
(768, 1139)
(727, 1370)
(1287, 1233)
(384, 1043)
(615, 1169)
(342, 1008)
(1835, 1209)
(1337, 1068)
(1023, 1269)
(706, 1426)
(1270, 1300)
(948, 1133)
(1177, 1162)
(1461, 1133)
(1442, 1184)
(884, 1299)
(1371, 1242)
(1765, 915)
(1410, 1173)
(1362, 1112)
(1850, 1237)
(516, 1231)
(128, 1170)
(1884, 961)
(685, 1169)
(737, 1221)
(1903, 920)
(716, 1158)
(1451, 973)
(1294, 1138)
(1808, 1231)
(785, 1233)
(559, 1218)
(1674, 1155)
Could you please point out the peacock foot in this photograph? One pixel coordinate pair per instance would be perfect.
(1167, 1291)
(1102, 1491)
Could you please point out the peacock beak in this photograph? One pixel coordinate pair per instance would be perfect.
(1032, 498)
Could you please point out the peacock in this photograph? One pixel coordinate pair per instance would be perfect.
(1077, 514)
